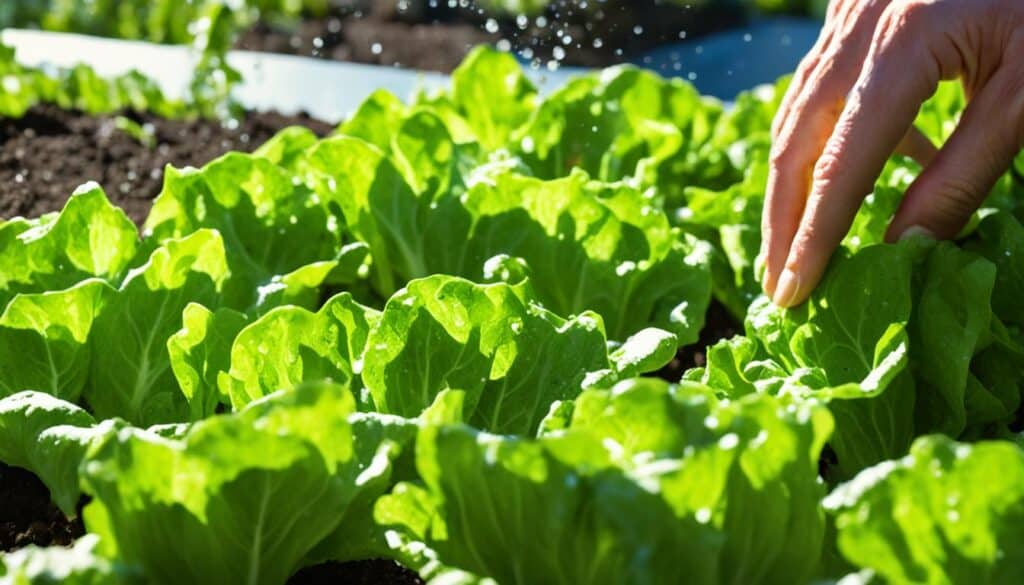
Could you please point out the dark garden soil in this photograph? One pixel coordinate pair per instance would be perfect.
(719, 324)
(49, 152)
(27, 516)
(357, 573)
(417, 35)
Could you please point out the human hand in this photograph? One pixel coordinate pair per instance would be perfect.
(853, 101)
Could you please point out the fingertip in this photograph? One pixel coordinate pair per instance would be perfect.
(803, 269)
(899, 231)
(789, 291)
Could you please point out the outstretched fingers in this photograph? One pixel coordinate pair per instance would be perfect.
(878, 116)
(805, 121)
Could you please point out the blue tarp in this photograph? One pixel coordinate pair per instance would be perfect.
(727, 63)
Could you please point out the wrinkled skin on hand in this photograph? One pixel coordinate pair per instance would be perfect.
(852, 103)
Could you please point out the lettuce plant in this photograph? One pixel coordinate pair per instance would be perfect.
(646, 484)
(49, 437)
(894, 339)
(945, 513)
(442, 333)
(281, 245)
(239, 498)
(632, 266)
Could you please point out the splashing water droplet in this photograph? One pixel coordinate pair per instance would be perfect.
(729, 441)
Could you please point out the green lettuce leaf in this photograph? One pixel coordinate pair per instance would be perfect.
(627, 263)
(290, 345)
(940, 115)
(490, 342)
(376, 120)
(491, 91)
(49, 437)
(286, 147)
(240, 498)
(277, 236)
(45, 339)
(621, 123)
(647, 351)
(1000, 239)
(947, 513)
(730, 220)
(89, 238)
(612, 498)
(888, 338)
(384, 443)
(487, 342)
(377, 204)
(954, 306)
(131, 374)
(200, 353)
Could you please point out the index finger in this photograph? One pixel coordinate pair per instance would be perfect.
(899, 76)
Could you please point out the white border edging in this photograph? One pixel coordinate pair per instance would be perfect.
(329, 90)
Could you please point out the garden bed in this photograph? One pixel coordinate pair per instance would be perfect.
(27, 514)
(437, 36)
(29, 517)
(437, 337)
(48, 152)
(44, 156)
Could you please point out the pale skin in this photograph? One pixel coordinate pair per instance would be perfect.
(852, 103)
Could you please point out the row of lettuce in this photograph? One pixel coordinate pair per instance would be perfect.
(158, 21)
(176, 22)
(422, 338)
(81, 88)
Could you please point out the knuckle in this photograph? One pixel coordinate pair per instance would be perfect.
(958, 197)
(804, 241)
(912, 14)
(901, 21)
(783, 151)
(827, 167)
(804, 73)
(778, 164)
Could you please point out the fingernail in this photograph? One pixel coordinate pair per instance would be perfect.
(916, 230)
(787, 289)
